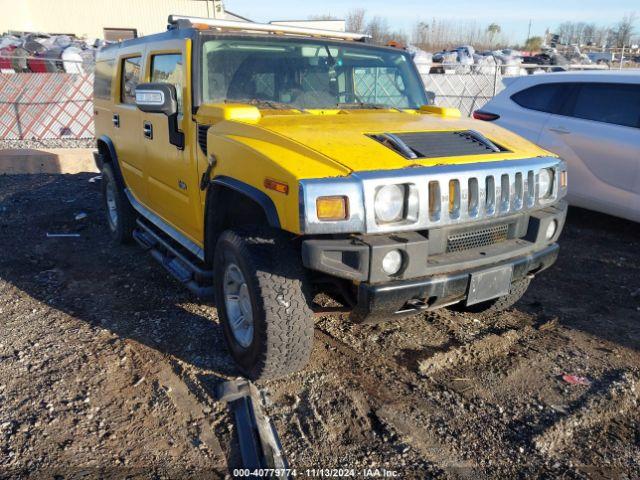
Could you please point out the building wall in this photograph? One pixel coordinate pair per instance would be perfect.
(89, 17)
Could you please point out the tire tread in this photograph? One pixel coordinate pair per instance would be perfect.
(283, 297)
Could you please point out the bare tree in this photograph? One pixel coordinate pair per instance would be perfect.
(324, 16)
(355, 21)
(589, 34)
(378, 28)
(421, 33)
(566, 32)
(445, 34)
(624, 30)
(602, 36)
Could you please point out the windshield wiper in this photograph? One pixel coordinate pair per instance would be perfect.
(265, 103)
(373, 106)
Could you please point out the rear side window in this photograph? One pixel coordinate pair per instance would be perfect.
(102, 79)
(130, 78)
(618, 104)
(547, 97)
(167, 68)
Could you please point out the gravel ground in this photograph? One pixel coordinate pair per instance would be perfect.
(48, 143)
(108, 368)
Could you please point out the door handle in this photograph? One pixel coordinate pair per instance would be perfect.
(560, 130)
(148, 130)
(116, 120)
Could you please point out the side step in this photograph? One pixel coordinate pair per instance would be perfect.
(196, 279)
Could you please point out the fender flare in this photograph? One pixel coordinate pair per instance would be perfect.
(112, 155)
(261, 198)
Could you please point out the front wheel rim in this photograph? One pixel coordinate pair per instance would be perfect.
(112, 207)
(237, 302)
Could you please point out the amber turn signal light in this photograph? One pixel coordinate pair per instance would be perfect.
(332, 208)
(279, 187)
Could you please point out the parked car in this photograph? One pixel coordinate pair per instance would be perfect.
(590, 119)
(601, 57)
(267, 164)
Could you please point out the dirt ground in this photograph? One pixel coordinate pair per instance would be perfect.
(108, 368)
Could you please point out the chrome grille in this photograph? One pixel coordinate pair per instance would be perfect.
(442, 195)
(472, 197)
(459, 242)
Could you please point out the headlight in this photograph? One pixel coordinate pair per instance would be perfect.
(545, 183)
(389, 203)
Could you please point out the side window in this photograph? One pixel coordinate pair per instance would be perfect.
(167, 68)
(102, 79)
(130, 78)
(547, 97)
(618, 104)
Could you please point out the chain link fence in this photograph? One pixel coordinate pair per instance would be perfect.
(45, 102)
(465, 91)
(57, 105)
(469, 88)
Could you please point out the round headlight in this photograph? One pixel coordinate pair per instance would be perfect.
(545, 182)
(392, 262)
(389, 203)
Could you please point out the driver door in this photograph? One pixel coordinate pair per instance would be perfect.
(172, 174)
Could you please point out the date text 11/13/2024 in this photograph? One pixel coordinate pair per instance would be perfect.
(317, 472)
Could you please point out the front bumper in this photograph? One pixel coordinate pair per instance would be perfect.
(433, 275)
(377, 303)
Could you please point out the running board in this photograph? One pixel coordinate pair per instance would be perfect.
(196, 279)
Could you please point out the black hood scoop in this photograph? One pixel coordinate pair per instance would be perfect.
(413, 146)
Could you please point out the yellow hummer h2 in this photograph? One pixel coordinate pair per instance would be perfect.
(266, 164)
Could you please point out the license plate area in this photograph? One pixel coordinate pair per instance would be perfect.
(489, 284)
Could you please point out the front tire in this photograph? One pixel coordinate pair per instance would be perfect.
(121, 217)
(263, 302)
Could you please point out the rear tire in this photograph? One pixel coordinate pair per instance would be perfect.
(258, 274)
(121, 217)
(486, 310)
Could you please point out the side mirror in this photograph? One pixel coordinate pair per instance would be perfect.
(157, 98)
(161, 98)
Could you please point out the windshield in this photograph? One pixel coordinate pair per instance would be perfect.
(308, 74)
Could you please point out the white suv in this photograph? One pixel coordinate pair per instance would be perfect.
(592, 120)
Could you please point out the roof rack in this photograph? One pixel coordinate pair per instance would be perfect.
(179, 21)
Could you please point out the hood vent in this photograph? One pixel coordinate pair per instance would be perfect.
(414, 146)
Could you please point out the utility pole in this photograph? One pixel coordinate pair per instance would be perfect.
(529, 32)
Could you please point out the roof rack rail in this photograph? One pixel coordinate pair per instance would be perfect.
(179, 21)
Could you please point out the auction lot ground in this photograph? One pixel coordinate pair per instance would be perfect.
(108, 368)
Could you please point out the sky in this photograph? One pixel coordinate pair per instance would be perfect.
(512, 16)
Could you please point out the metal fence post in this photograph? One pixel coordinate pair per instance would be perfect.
(495, 81)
